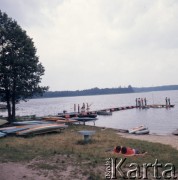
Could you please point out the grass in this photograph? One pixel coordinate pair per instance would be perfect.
(69, 144)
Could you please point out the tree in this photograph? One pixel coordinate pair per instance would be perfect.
(20, 69)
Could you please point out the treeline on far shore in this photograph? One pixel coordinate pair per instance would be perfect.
(98, 91)
(88, 92)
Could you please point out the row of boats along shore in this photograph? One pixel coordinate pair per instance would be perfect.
(32, 125)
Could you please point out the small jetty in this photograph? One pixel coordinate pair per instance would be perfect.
(132, 107)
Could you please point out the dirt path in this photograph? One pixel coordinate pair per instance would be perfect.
(18, 171)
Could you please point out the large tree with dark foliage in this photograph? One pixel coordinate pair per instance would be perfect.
(20, 69)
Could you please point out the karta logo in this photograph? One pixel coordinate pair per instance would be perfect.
(118, 168)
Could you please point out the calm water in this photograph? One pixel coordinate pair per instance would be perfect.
(159, 121)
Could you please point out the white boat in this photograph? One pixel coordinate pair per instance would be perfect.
(142, 132)
(139, 128)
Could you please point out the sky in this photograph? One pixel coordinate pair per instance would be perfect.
(101, 43)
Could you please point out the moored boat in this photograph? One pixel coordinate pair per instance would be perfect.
(84, 119)
(104, 112)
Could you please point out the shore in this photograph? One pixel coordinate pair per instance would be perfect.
(163, 139)
(64, 155)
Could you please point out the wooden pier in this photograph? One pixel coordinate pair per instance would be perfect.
(132, 107)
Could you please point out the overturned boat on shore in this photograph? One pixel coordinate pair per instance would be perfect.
(41, 129)
(140, 130)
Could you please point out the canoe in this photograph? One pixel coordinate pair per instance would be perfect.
(142, 132)
(133, 130)
(14, 129)
(42, 129)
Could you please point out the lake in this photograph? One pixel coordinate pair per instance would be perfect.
(159, 120)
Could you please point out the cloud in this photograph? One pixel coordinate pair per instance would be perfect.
(101, 43)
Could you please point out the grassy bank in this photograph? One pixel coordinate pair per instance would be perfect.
(58, 151)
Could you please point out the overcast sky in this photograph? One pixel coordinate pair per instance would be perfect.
(101, 43)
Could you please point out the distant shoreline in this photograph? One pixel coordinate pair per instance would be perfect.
(107, 91)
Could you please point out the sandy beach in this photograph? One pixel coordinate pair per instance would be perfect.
(163, 139)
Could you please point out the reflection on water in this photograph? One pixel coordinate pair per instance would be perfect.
(160, 121)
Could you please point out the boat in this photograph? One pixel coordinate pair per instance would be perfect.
(14, 130)
(2, 134)
(142, 132)
(175, 132)
(87, 114)
(139, 128)
(41, 129)
(104, 112)
(84, 119)
(30, 122)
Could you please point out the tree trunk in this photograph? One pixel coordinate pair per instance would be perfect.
(9, 111)
(13, 109)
